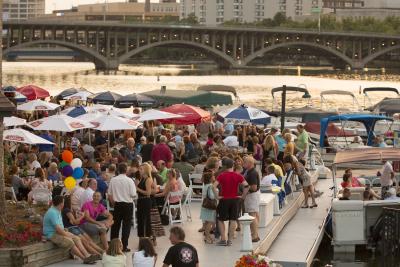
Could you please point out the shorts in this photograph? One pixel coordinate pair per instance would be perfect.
(252, 202)
(228, 209)
(93, 229)
(63, 241)
(75, 230)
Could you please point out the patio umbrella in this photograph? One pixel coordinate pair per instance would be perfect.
(103, 109)
(190, 114)
(60, 123)
(13, 121)
(154, 114)
(81, 95)
(33, 92)
(68, 92)
(135, 100)
(105, 98)
(20, 98)
(37, 105)
(75, 111)
(112, 123)
(243, 115)
(19, 135)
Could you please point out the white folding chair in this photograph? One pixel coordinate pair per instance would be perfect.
(134, 215)
(10, 191)
(196, 177)
(187, 203)
(176, 206)
(41, 196)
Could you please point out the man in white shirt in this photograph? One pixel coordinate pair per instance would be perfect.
(87, 195)
(270, 177)
(121, 193)
(387, 175)
(231, 140)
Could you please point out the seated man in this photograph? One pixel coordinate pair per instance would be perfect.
(346, 194)
(391, 194)
(270, 178)
(162, 170)
(53, 230)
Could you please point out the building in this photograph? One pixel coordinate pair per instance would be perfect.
(119, 11)
(213, 12)
(22, 9)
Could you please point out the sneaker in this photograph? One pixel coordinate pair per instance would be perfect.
(221, 243)
(229, 243)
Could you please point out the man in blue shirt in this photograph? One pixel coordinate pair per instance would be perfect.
(53, 230)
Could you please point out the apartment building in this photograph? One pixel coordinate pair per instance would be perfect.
(22, 9)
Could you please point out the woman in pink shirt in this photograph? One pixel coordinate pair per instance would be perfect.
(172, 185)
(97, 220)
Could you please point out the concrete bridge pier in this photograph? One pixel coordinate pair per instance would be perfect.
(108, 65)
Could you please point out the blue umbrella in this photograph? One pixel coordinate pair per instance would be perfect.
(243, 115)
(19, 98)
(76, 111)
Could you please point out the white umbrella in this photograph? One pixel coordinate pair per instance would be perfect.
(154, 114)
(60, 123)
(37, 105)
(22, 136)
(13, 121)
(111, 110)
(112, 123)
(90, 116)
(82, 95)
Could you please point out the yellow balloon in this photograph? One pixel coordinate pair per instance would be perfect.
(69, 183)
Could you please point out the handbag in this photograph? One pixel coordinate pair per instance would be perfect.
(209, 203)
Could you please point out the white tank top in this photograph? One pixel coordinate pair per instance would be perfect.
(139, 260)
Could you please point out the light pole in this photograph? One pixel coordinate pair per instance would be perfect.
(105, 10)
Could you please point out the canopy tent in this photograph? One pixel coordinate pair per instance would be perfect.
(331, 130)
(190, 114)
(218, 88)
(388, 106)
(196, 98)
(369, 122)
(154, 114)
(309, 114)
(19, 135)
(104, 98)
(81, 95)
(244, 115)
(37, 105)
(13, 121)
(135, 100)
(60, 123)
(33, 92)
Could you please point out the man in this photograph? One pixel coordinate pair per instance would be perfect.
(270, 177)
(387, 176)
(95, 171)
(121, 193)
(129, 151)
(47, 149)
(162, 170)
(161, 151)
(89, 191)
(101, 140)
(252, 198)
(346, 194)
(184, 167)
(391, 194)
(302, 142)
(76, 195)
(147, 149)
(181, 254)
(53, 230)
(231, 140)
(228, 206)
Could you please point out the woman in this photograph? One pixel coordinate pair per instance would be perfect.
(146, 256)
(289, 148)
(208, 215)
(18, 184)
(190, 152)
(144, 203)
(196, 145)
(172, 185)
(71, 223)
(257, 150)
(93, 211)
(199, 168)
(269, 147)
(52, 173)
(114, 257)
(305, 179)
(39, 182)
(33, 163)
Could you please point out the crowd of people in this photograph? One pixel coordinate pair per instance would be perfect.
(141, 168)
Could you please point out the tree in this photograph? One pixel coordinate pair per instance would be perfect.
(191, 19)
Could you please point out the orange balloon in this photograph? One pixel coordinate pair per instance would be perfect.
(69, 182)
(67, 156)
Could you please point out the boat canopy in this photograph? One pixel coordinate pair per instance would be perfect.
(367, 154)
(380, 89)
(218, 88)
(292, 89)
(368, 120)
(309, 114)
(389, 106)
(332, 129)
(336, 92)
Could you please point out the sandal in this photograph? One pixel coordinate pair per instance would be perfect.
(304, 207)
(313, 206)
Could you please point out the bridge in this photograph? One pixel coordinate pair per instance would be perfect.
(108, 45)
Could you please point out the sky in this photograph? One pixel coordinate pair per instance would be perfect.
(65, 4)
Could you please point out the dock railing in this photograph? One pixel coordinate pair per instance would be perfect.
(391, 237)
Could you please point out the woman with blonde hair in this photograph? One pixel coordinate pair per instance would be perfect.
(257, 150)
(52, 173)
(289, 149)
(114, 257)
(144, 203)
(269, 147)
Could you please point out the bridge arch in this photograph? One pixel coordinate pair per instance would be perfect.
(219, 54)
(379, 53)
(334, 52)
(99, 60)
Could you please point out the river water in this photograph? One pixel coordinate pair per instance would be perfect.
(253, 89)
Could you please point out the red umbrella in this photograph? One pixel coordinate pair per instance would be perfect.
(191, 114)
(33, 92)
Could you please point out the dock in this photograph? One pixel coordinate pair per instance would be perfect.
(298, 242)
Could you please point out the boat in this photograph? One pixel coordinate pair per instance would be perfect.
(219, 88)
(381, 90)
